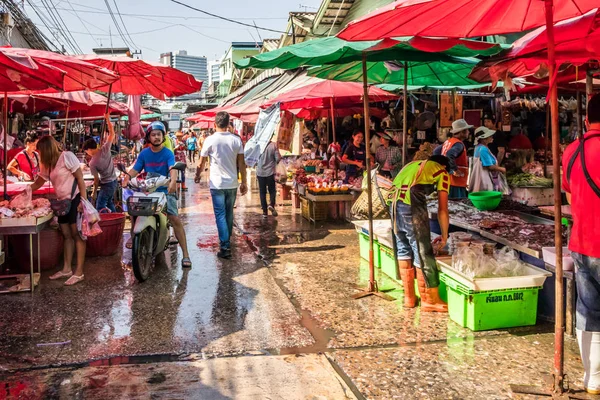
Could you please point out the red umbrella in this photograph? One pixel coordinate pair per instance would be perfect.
(141, 77)
(323, 93)
(78, 74)
(314, 113)
(93, 103)
(459, 18)
(577, 41)
(473, 18)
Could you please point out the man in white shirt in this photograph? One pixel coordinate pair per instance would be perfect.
(226, 154)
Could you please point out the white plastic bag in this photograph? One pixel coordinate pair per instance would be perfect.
(280, 173)
(22, 200)
(90, 219)
(480, 179)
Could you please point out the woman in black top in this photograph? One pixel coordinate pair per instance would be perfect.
(355, 156)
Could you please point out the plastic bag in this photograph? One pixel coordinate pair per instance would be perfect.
(22, 200)
(280, 173)
(480, 179)
(90, 219)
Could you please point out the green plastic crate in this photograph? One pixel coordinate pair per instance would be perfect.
(490, 309)
(388, 266)
(363, 241)
(388, 262)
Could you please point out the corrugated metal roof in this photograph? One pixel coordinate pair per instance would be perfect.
(363, 7)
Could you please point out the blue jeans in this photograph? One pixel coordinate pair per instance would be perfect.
(587, 278)
(406, 240)
(106, 196)
(223, 201)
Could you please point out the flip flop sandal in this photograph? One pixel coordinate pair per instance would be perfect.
(129, 244)
(73, 280)
(186, 262)
(61, 274)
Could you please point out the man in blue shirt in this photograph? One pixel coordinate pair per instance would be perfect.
(158, 159)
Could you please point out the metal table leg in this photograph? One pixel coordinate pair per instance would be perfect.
(569, 317)
(31, 285)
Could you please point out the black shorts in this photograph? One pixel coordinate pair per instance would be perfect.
(71, 217)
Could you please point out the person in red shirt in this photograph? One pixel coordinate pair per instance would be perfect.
(581, 181)
(26, 163)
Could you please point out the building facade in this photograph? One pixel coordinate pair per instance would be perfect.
(195, 65)
(214, 74)
(231, 77)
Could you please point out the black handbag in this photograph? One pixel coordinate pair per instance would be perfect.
(62, 207)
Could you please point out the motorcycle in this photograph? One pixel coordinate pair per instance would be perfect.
(148, 211)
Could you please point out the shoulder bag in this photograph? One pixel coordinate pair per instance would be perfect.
(62, 207)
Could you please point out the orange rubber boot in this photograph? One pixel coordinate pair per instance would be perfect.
(430, 297)
(407, 274)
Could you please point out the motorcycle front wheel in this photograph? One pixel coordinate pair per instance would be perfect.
(142, 250)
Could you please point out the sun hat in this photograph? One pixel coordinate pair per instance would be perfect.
(483, 133)
(460, 125)
(385, 135)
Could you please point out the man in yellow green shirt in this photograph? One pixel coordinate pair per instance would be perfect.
(408, 206)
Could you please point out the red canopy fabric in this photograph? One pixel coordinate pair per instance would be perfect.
(319, 95)
(315, 113)
(141, 77)
(76, 74)
(93, 104)
(459, 18)
(577, 41)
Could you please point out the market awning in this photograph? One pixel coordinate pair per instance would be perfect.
(420, 74)
(333, 50)
(325, 92)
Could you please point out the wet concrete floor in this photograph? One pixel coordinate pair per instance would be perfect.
(287, 291)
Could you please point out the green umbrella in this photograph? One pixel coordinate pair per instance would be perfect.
(430, 74)
(332, 50)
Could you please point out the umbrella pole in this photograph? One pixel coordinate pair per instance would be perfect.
(404, 116)
(106, 111)
(559, 292)
(64, 139)
(5, 122)
(332, 118)
(372, 289)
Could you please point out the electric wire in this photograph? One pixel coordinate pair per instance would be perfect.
(82, 22)
(225, 18)
(117, 25)
(124, 25)
(58, 27)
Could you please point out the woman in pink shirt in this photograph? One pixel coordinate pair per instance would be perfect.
(62, 168)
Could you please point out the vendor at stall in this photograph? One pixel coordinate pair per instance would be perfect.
(26, 164)
(580, 181)
(408, 208)
(498, 146)
(388, 156)
(62, 168)
(103, 169)
(486, 174)
(456, 151)
(355, 156)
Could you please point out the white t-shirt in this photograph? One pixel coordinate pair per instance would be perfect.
(223, 149)
(62, 177)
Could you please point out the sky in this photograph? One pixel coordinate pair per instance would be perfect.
(159, 26)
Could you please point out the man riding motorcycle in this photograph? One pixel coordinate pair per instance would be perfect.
(158, 159)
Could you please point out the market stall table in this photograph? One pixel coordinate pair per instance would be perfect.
(532, 252)
(25, 226)
(311, 204)
(13, 189)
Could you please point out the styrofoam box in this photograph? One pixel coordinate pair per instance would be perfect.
(535, 278)
(549, 254)
(533, 196)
